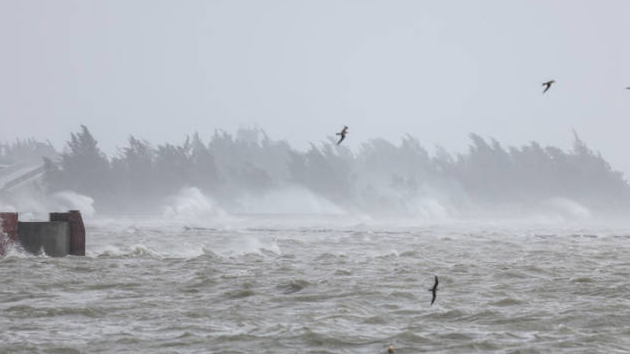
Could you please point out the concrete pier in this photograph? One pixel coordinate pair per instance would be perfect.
(49, 237)
(64, 234)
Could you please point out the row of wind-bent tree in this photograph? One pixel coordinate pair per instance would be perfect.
(25, 151)
(380, 176)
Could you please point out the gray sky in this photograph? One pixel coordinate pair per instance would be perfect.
(437, 70)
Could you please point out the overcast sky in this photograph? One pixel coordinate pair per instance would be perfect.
(437, 70)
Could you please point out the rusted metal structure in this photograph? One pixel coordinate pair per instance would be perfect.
(8, 229)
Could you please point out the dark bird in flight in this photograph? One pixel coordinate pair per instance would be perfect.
(343, 133)
(628, 88)
(548, 85)
(434, 290)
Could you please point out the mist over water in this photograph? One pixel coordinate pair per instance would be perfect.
(190, 204)
(251, 173)
(245, 245)
(33, 204)
(287, 200)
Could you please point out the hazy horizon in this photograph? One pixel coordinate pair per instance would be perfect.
(436, 70)
(248, 172)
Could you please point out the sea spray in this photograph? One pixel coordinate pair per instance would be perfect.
(190, 204)
(427, 208)
(287, 200)
(70, 200)
(567, 208)
(33, 204)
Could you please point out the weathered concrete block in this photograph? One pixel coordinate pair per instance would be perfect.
(50, 237)
(77, 230)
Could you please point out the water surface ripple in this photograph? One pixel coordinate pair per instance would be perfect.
(322, 287)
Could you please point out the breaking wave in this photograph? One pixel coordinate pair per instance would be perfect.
(288, 200)
(427, 208)
(190, 204)
(32, 204)
(568, 209)
(69, 200)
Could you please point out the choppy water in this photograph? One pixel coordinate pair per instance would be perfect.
(322, 285)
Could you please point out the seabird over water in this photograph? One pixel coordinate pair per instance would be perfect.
(343, 133)
(548, 85)
(434, 290)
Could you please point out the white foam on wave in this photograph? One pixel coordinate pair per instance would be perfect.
(161, 246)
(154, 249)
(15, 250)
(253, 244)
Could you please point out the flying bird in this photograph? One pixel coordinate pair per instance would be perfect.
(343, 133)
(548, 85)
(628, 88)
(434, 290)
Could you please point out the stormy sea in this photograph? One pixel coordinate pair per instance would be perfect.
(245, 245)
(255, 283)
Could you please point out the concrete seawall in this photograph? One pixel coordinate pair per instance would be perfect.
(63, 235)
(51, 238)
